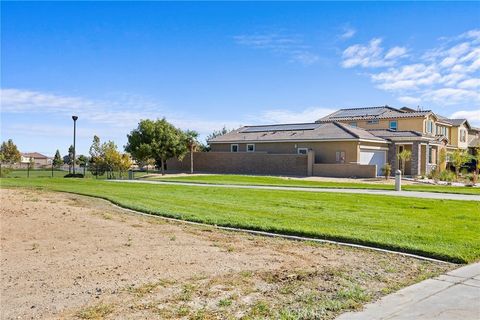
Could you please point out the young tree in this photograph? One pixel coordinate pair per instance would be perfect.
(125, 163)
(192, 143)
(458, 158)
(68, 159)
(96, 165)
(162, 138)
(9, 153)
(57, 160)
(82, 161)
(404, 156)
(111, 158)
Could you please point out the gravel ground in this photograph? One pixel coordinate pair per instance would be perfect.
(68, 256)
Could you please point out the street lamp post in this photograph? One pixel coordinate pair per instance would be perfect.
(74, 133)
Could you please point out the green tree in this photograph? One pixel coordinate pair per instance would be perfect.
(125, 164)
(404, 156)
(111, 158)
(161, 138)
(9, 153)
(68, 159)
(95, 164)
(458, 158)
(57, 160)
(214, 134)
(191, 139)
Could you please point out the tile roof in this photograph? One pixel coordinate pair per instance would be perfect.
(388, 133)
(34, 155)
(383, 112)
(286, 132)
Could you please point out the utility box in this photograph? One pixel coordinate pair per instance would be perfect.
(130, 174)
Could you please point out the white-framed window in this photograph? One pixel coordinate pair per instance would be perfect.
(234, 148)
(340, 157)
(393, 125)
(250, 147)
(353, 124)
(373, 121)
(430, 154)
(429, 126)
(302, 150)
(463, 135)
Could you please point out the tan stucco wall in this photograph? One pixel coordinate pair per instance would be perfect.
(325, 152)
(455, 137)
(417, 124)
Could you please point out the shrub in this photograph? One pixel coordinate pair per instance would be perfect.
(387, 170)
(435, 174)
(72, 175)
(447, 175)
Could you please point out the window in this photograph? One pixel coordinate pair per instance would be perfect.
(340, 157)
(393, 125)
(234, 147)
(429, 126)
(302, 150)
(430, 154)
(463, 135)
(353, 124)
(250, 148)
(373, 121)
(400, 149)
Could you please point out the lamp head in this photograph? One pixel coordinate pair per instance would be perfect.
(74, 118)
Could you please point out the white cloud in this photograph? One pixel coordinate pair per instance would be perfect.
(446, 75)
(291, 46)
(473, 116)
(371, 55)
(348, 32)
(288, 116)
(409, 100)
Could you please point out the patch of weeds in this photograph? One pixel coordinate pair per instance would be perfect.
(260, 309)
(173, 238)
(107, 216)
(183, 311)
(99, 311)
(302, 313)
(137, 225)
(187, 292)
(230, 248)
(35, 246)
(246, 273)
(203, 314)
(225, 302)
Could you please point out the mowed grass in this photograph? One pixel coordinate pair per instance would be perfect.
(47, 173)
(443, 229)
(289, 182)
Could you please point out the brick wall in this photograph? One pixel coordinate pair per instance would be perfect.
(344, 170)
(243, 163)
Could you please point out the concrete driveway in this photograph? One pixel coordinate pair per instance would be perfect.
(454, 295)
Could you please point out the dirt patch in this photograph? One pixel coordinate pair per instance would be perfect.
(67, 256)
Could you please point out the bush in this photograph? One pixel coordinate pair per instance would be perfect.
(447, 175)
(76, 175)
(386, 170)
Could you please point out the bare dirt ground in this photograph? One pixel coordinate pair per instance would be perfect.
(67, 256)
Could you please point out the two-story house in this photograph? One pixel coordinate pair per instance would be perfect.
(362, 136)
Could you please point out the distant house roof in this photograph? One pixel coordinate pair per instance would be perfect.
(388, 133)
(369, 113)
(474, 143)
(34, 155)
(296, 132)
(454, 122)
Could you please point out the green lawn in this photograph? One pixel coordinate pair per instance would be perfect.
(442, 229)
(286, 182)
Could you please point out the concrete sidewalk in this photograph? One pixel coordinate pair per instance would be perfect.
(414, 194)
(455, 295)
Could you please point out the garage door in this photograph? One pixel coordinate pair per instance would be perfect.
(373, 157)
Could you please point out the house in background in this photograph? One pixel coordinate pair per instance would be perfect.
(355, 142)
(39, 159)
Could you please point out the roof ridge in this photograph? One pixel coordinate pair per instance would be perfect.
(278, 124)
(342, 126)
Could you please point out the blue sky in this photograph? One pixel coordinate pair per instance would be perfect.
(205, 65)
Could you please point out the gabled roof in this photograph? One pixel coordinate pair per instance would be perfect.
(34, 155)
(296, 132)
(454, 122)
(369, 113)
